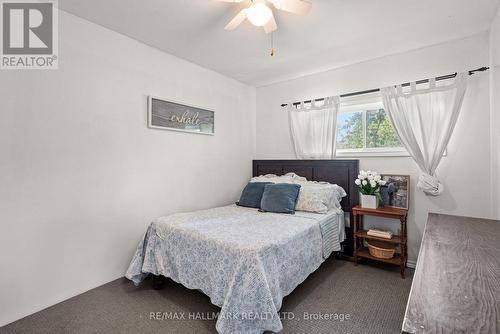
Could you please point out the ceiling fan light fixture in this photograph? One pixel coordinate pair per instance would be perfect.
(259, 14)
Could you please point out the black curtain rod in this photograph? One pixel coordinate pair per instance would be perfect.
(443, 77)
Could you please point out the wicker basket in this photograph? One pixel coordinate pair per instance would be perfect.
(380, 249)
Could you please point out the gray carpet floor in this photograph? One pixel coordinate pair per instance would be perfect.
(371, 298)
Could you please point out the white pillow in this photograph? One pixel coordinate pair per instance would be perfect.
(296, 177)
(327, 193)
(287, 178)
(338, 193)
(314, 199)
(272, 178)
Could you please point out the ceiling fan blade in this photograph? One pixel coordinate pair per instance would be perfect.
(299, 7)
(236, 21)
(271, 25)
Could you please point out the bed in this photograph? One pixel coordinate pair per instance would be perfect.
(247, 261)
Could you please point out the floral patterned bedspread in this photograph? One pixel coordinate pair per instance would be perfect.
(246, 261)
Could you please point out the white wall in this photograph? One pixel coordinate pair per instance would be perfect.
(495, 110)
(81, 175)
(468, 158)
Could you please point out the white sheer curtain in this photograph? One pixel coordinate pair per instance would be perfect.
(424, 120)
(313, 128)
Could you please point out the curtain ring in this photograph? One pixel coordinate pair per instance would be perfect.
(329, 101)
(432, 82)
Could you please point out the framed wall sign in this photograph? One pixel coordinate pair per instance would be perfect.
(396, 192)
(170, 115)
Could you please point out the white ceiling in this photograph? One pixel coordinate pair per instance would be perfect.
(335, 33)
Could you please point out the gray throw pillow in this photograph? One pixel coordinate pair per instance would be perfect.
(280, 198)
(252, 194)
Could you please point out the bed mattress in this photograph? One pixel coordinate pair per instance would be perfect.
(246, 261)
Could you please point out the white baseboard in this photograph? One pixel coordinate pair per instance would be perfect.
(411, 264)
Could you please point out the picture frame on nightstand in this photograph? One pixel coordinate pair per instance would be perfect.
(396, 192)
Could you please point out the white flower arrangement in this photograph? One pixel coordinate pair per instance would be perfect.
(369, 182)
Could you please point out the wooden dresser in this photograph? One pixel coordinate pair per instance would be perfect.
(456, 285)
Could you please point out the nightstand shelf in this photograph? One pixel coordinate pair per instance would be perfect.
(365, 253)
(360, 235)
(394, 240)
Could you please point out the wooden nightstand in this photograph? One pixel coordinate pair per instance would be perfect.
(359, 235)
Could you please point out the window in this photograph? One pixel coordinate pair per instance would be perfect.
(363, 128)
(379, 131)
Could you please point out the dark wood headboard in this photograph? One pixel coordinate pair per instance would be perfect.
(341, 172)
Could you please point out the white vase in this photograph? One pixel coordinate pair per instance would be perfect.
(369, 201)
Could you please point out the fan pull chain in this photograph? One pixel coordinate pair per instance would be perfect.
(271, 52)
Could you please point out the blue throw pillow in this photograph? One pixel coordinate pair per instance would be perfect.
(252, 194)
(280, 198)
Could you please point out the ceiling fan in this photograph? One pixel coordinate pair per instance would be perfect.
(260, 15)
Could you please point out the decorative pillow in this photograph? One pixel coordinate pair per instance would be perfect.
(314, 199)
(314, 196)
(252, 194)
(280, 198)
